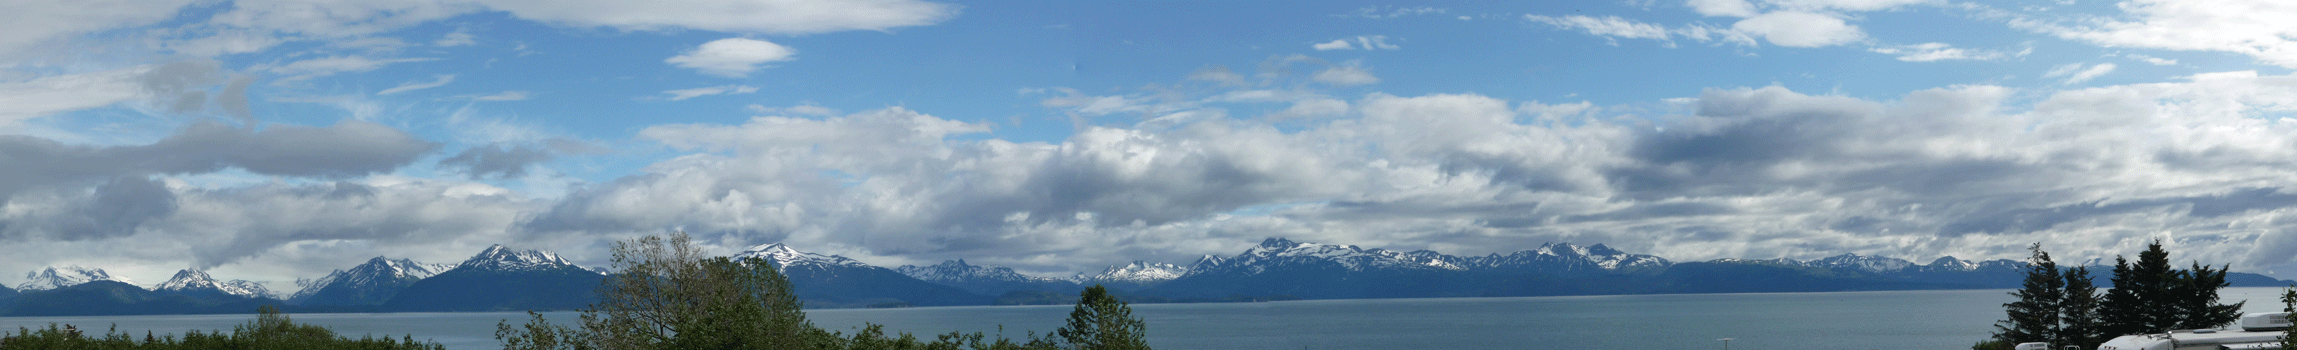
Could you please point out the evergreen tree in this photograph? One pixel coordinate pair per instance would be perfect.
(2082, 325)
(2151, 297)
(2197, 299)
(2289, 305)
(1100, 322)
(2035, 316)
(2141, 300)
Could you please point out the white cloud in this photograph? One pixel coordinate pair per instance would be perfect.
(1928, 52)
(1800, 29)
(2076, 74)
(756, 16)
(1845, 5)
(64, 93)
(731, 57)
(1606, 26)
(1346, 75)
(325, 66)
(1392, 12)
(437, 81)
(31, 23)
(2258, 29)
(456, 39)
(502, 96)
(1729, 8)
(1366, 42)
(683, 94)
(2150, 59)
(808, 109)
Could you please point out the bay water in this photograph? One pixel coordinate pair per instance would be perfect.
(1950, 319)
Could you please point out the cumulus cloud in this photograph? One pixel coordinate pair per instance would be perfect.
(1751, 172)
(35, 23)
(504, 160)
(1800, 29)
(346, 149)
(1731, 8)
(683, 94)
(2252, 28)
(731, 57)
(770, 16)
(438, 81)
(63, 93)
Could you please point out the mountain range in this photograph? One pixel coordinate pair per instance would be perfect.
(502, 279)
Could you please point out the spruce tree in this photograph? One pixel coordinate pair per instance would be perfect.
(2083, 326)
(2197, 299)
(2035, 316)
(1100, 322)
(2141, 300)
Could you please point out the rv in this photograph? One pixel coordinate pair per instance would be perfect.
(2258, 331)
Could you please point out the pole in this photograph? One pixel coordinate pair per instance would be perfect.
(1726, 343)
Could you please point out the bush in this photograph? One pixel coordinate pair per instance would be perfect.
(269, 330)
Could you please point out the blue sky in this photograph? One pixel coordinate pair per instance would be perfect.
(275, 140)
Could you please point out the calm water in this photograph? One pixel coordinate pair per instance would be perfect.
(1849, 320)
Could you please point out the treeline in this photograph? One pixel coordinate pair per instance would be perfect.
(2063, 307)
(670, 295)
(667, 295)
(269, 330)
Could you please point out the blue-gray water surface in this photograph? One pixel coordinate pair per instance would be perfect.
(1845, 320)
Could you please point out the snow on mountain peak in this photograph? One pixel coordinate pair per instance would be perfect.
(1862, 263)
(1140, 272)
(783, 257)
(59, 277)
(1281, 251)
(957, 271)
(190, 280)
(378, 271)
(498, 258)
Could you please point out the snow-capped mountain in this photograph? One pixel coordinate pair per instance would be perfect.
(985, 280)
(60, 277)
(784, 257)
(1852, 261)
(1139, 274)
(189, 281)
(1278, 253)
(370, 283)
(501, 279)
(959, 271)
(1568, 259)
(498, 258)
(837, 281)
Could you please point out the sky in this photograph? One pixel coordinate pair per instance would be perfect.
(272, 140)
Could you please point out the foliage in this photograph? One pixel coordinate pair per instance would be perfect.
(2289, 305)
(1101, 322)
(1992, 344)
(669, 295)
(2081, 324)
(2151, 297)
(2035, 316)
(269, 330)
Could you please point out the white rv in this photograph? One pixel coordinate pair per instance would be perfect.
(2258, 331)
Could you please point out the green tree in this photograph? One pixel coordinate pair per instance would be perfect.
(2149, 296)
(2196, 296)
(2035, 316)
(1101, 322)
(2289, 306)
(2081, 324)
(668, 294)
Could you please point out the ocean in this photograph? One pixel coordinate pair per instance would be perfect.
(1950, 319)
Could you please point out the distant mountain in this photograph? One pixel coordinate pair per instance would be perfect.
(371, 283)
(60, 277)
(500, 279)
(837, 281)
(1282, 267)
(984, 280)
(1138, 274)
(197, 282)
(1565, 259)
(108, 297)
